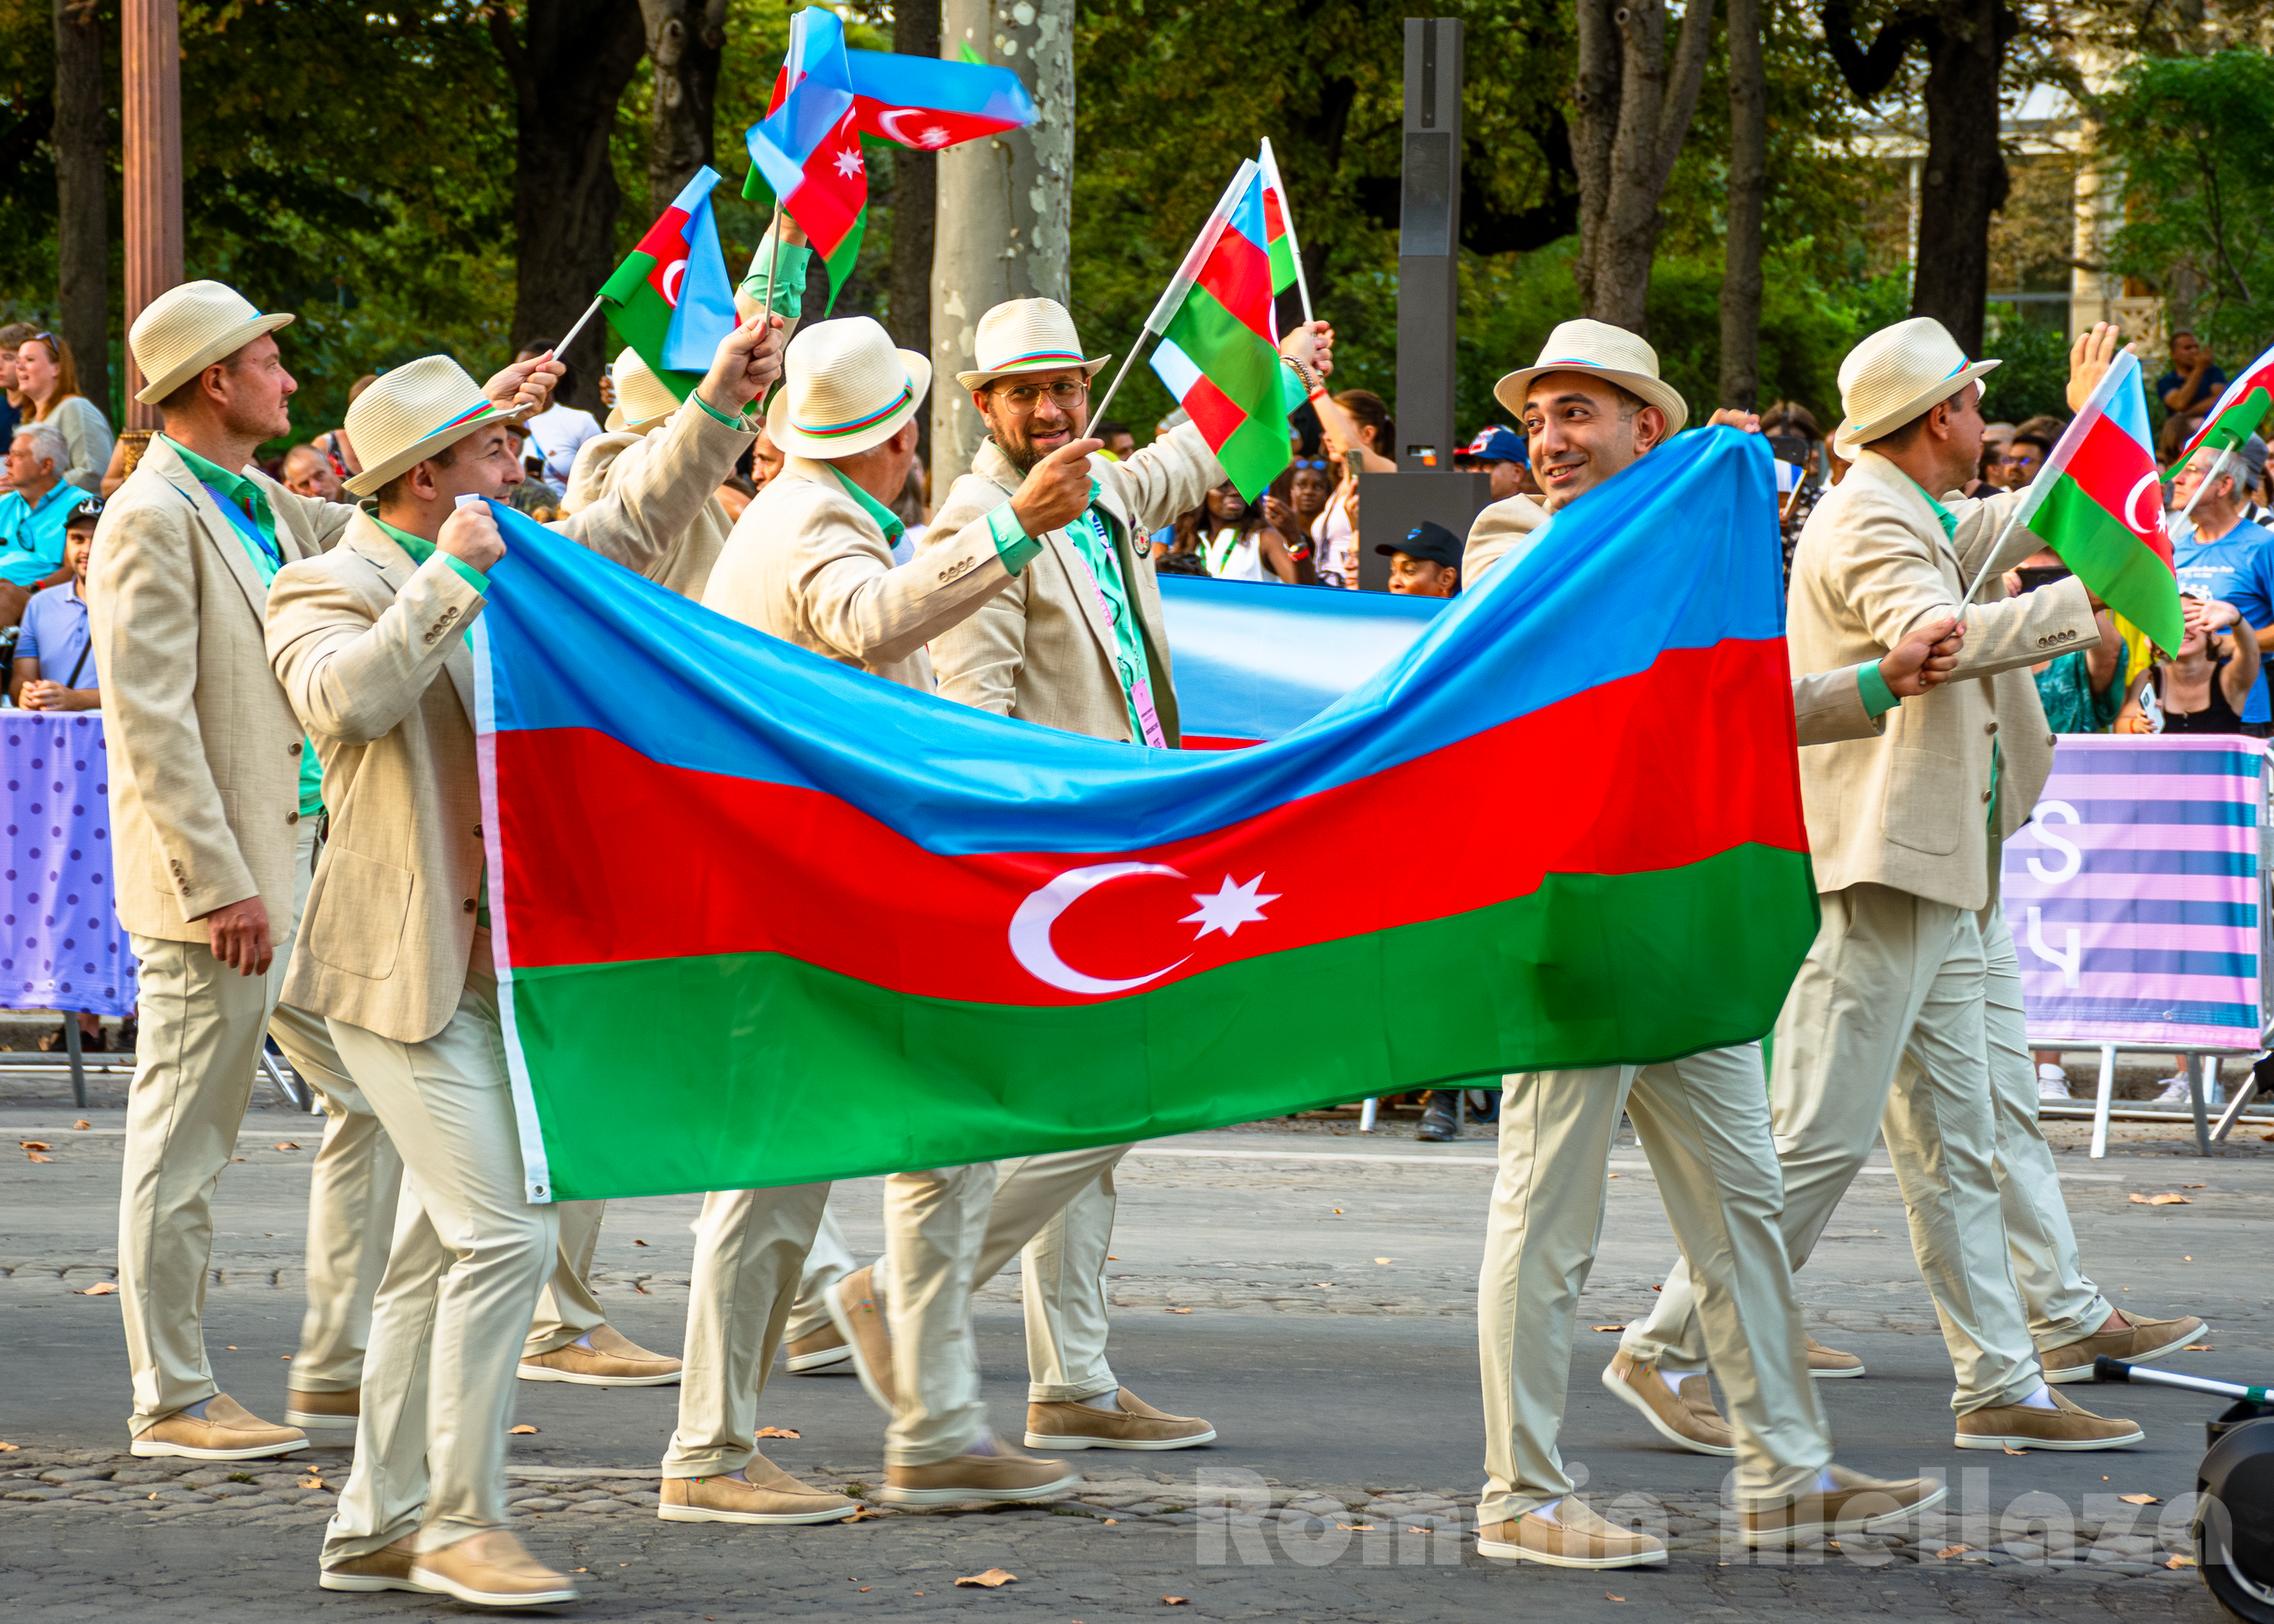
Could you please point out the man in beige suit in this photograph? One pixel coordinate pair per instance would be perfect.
(369, 642)
(1905, 836)
(215, 800)
(1591, 407)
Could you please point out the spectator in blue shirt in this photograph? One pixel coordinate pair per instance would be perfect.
(32, 516)
(2222, 559)
(55, 659)
(2193, 384)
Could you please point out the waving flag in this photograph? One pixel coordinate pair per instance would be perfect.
(1217, 353)
(2099, 502)
(806, 151)
(2238, 412)
(897, 932)
(671, 300)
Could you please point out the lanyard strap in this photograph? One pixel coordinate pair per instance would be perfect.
(1141, 691)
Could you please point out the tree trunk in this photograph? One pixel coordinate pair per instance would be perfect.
(685, 39)
(569, 66)
(1005, 207)
(82, 197)
(916, 202)
(1634, 109)
(1741, 263)
(1963, 181)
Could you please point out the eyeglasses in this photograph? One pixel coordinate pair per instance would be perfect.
(1064, 394)
(1319, 462)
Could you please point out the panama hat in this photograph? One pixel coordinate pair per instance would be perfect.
(411, 413)
(845, 388)
(641, 398)
(1895, 375)
(1025, 335)
(186, 329)
(1609, 352)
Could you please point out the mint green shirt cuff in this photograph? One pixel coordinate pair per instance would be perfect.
(473, 578)
(739, 424)
(1013, 544)
(1878, 698)
(790, 267)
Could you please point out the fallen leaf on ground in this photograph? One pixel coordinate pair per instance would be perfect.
(101, 1288)
(1180, 1311)
(639, 1243)
(1657, 1288)
(35, 1144)
(1607, 1328)
(10, 1449)
(2011, 1450)
(310, 1482)
(779, 1432)
(2191, 1186)
(2198, 1348)
(33, 1156)
(1382, 1259)
(1174, 1601)
(1357, 1528)
(864, 1514)
(525, 1428)
(286, 1145)
(993, 1579)
(642, 1289)
(82, 1123)
(2140, 1499)
(2181, 1561)
(1948, 1551)
(1606, 1594)
(2170, 1198)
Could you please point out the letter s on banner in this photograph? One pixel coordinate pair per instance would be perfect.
(2072, 859)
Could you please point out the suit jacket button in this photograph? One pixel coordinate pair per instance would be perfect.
(468, 905)
(2051, 742)
(291, 817)
(1985, 797)
(1989, 727)
(296, 747)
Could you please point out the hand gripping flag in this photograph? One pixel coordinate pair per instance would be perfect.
(896, 932)
(671, 300)
(806, 151)
(1217, 352)
(2098, 503)
(2236, 415)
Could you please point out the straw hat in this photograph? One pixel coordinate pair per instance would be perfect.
(1895, 375)
(1607, 351)
(845, 388)
(641, 398)
(411, 413)
(1025, 335)
(186, 329)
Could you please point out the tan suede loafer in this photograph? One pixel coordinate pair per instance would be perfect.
(998, 1478)
(1859, 1505)
(1829, 1363)
(826, 1349)
(324, 1412)
(614, 1360)
(230, 1431)
(2137, 1342)
(2024, 1426)
(853, 1310)
(1577, 1538)
(1078, 1424)
(769, 1495)
(1687, 1419)
(387, 1568)
(490, 1569)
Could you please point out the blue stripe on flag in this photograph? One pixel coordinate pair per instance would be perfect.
(1255, 660)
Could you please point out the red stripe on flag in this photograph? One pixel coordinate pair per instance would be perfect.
(731, 865)
(1217, 414)
(2118, 473)
(1239, 273)
(1275, 218)
(666, 239)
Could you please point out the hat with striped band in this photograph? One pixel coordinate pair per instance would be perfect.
(1025, 335)
(642, 398)
(1898, 374)
(844, 389)
(411, 413)
(1609, 352)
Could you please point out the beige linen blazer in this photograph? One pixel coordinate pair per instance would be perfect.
(1497, 529)
(605, 461)
(1872, 563)
(807, 564)
(205, 750)
(1043, 650)
(371, 649)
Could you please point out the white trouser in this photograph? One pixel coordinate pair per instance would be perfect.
(1704, 1124)
(1891, 973)
(829, 1262)
(471, 1253)
(949, 1230)
(567, 1308)
(750, 1248)
(201, 1030)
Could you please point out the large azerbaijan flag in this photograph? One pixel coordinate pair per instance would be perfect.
(762, 919)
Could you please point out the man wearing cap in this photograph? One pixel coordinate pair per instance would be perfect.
(1886, 1034)
(38, 504)
(1500, 452)
(369, 642)
(810, 561)
(55, 656)
(1426, 563)
(214, 800)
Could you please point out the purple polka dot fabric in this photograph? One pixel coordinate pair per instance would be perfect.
(61, 945)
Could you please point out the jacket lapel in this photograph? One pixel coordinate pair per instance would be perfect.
(381, 552)
(997, 467)
(219, 533)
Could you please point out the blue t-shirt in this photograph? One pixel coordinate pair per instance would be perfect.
(2207, 388)
(32, 533)
(2237, 570)
(55, 633)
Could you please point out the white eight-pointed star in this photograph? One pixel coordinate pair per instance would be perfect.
(1229, 908)
(848, 163)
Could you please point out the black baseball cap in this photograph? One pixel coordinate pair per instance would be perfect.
(86, 512)
(1427, 540)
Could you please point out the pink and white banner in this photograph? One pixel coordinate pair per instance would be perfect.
(2134, 893)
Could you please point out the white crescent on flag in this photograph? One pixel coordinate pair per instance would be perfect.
(1030, 928)
(2154, 521)
(673, 274)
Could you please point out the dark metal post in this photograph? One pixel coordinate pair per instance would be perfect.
(1428, 245)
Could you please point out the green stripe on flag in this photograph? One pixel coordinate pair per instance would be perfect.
(2111, 560)
(1236, 358)
(1257, 450)
(1283, 265)
(792, 1074)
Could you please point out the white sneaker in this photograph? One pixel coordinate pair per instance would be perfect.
(2175, 1093)
(2052, 1083)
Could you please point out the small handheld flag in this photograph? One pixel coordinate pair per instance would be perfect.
(1173, 297)
(671, 300)
(2233, 418)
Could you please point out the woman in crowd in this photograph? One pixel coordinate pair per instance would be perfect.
(1298, 500)
(13, 410)
(1360, 435)
(1236, 543)
(48, 379)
